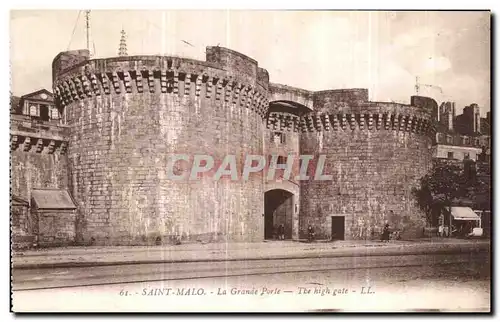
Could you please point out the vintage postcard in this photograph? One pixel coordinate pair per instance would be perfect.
(250, 161)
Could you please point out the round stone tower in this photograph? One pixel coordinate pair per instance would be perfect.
(376, 153)
(128, 116)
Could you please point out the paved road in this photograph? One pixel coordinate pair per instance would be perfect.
(446, 281)
(95, 256)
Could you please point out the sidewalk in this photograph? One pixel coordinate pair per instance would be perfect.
(197, 252)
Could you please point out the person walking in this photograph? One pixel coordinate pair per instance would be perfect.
(310, 233)
(385, 233)
(282, 232)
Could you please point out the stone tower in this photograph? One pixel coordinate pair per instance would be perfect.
(376, 153)
(128, 115)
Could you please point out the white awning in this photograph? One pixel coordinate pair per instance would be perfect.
(464, 213)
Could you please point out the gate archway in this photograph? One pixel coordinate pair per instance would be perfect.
(278, 210)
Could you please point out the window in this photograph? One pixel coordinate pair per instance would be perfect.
(466, 156)
(278, 137)
(281, 162)
(34, 110)
(54, 114)
(450, 155)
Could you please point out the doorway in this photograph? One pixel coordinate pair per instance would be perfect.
(278, 210)
(44, 112)
(338, 228)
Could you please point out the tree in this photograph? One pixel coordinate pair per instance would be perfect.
(445, 184)
(480, 188)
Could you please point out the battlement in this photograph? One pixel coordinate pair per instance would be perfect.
(335, 101)
(38, 137)
(344, 109)
(349, 122)
(220, 78)
(238, 64)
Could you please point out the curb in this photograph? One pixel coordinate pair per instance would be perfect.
(361, 252)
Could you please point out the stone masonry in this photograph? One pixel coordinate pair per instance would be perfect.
(126, 115)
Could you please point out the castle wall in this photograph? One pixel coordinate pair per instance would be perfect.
(34, 170)
(127, 116)
(376, 152)
(287, 125)
(37, 158)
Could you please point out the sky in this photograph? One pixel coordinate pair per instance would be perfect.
(315, 50)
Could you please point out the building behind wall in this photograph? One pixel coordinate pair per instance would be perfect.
(464, 136)
(465, 140)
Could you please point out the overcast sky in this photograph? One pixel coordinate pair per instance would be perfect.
(314, 50)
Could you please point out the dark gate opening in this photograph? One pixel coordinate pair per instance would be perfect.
(44, 112)
(278, 210)
(338, 228)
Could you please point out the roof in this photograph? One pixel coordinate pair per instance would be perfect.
(42, 95)
(16, 200)
(52, 199)
(464, 213)
(288, 107)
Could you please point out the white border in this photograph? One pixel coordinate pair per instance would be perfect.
(148, 4)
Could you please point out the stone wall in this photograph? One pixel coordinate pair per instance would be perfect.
(55, 227)
(22, 227)
(129, 115)
(32, 170)
(376, 153)
(288, 125)
(38, 156)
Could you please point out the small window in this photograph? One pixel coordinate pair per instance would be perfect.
(466, 156)
(278, 137)
(450, 155)
(34, 110)
(281, 162)
(54, 114)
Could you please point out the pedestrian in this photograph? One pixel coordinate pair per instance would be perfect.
(440, 230)
(282, 232)
(446, 230)
(310, 233)
(385, 233)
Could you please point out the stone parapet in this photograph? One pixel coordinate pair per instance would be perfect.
(39, 137)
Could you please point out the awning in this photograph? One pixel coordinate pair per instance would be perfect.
(52, 199)
(464, 213)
